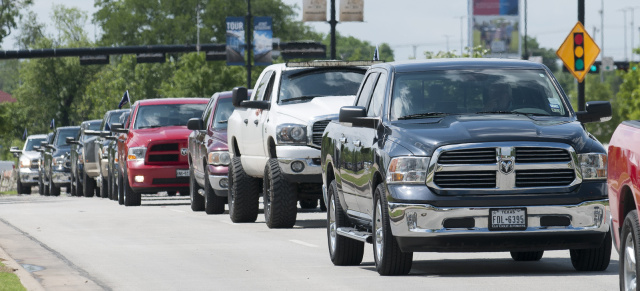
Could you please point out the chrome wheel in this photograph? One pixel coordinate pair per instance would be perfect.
(332, 225)
(379, 243)
(630, 275)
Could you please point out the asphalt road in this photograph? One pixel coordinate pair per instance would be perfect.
(72, 243)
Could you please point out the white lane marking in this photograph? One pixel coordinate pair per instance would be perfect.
(303, 243)
(176, 210)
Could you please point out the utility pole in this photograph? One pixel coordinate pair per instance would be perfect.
(461, 36)
(526, 53)
(333, 23)
(249, 44)
(602, 55)
(581, 101)
(624, 11)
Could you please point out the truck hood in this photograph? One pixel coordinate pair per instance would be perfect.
(305, 111)
(30, 154)
(219, 141)
(142, 137)
(423, 136)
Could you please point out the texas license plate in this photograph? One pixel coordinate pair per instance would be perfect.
(507, 219)
(182, 173)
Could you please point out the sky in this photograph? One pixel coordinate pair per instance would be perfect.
(435, 25)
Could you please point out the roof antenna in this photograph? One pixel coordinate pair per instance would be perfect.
(376, 56)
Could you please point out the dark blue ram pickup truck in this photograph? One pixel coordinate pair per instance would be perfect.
(465, 155)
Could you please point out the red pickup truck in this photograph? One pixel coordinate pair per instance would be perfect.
(152, 152)
(623, 183)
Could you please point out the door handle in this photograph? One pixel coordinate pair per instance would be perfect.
(255, 122)
(246, 121)
(343, 140)
(357, 143)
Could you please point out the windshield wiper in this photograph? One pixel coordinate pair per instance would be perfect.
(151, 126)
(223, 121)
(421, 115)
(306, 97)
(513, 112)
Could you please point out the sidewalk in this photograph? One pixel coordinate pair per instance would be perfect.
(52, 270)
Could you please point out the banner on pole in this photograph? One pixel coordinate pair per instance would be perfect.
(352, 10)
(496, 27)
(262, 40)
(314, 10)
(235, 41)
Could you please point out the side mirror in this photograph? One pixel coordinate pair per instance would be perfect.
(596, 111)
(195, 124)
(238, 95)
(92, 132)
(118, 128)
(105, 133)
(357, 116)
(15, 150)
(70, 140)
(256, 104)
(37, 148)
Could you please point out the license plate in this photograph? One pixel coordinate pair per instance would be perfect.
(507, 219)
(182, 173)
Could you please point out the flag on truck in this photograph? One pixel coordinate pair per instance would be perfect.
(24, 135)
(52, 125)
(125, 99)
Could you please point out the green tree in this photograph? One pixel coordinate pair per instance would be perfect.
(549, 57)
(10, 13)
(349, 48)
(476, 52)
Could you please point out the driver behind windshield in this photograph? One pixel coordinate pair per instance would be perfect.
(497, 98)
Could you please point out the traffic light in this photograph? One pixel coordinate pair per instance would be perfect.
(595, 68)
(578, 51)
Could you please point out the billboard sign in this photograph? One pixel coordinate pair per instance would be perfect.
(235, 41)
(262, 40)
(314, 10)
(496, 27)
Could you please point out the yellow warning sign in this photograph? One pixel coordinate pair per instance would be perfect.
(578, 52)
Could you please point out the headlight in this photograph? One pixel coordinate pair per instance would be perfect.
(291, 134)
(408, 170)
(59, 160)
(25, 163)
(137, 153)
(219, 158)
(105, 152)
(593, 166)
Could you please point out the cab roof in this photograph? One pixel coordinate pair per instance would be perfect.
(162, 101)
(458, 64)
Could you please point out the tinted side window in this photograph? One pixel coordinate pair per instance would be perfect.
(262, 86)
(377, 99)
(363, 98)
(207, 111)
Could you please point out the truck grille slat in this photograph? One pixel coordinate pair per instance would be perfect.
(485, 179)
(474, 156)
(538, 154)
(317, 130)
(544, 178)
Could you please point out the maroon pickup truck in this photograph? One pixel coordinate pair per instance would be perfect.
(209, 156)
(153, 155)
(623, 183)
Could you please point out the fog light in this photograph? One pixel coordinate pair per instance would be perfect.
(297, 166)
(224, 183)
(139, 179)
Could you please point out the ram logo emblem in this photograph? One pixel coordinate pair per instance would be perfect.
(184, 151)
(506, 166)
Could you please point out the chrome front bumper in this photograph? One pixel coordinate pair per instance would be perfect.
(216, 185)
(310, 168)
(61, 177)
(423, 220)
(29, 176)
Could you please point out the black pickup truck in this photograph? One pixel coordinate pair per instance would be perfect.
(465, 155)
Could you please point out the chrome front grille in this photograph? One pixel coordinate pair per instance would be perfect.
(317, 130)
(509, 167)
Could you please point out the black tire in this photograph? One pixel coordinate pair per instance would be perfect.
(53, 189)
(79, 187)
(46, 187)
(279, 199)
(26, 190)
(390, 260)
(309, 203)
(120, 189)
(131, 198)
(596, 259)
(629, 238)
(527, 256)
(343, 251)
(243, 194)
(213, 204)
(171, 193)
(72, 185)
(19, 186)
(113, 193)
(88, 185)
(104, 187)
(197, 201)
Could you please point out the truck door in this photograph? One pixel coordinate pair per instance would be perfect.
(349, 169)
(367, 141)
(254, 120)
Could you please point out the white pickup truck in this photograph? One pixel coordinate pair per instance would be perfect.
(274, 138)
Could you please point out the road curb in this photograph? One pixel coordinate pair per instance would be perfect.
(27, 280)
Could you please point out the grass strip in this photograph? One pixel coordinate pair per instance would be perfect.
(8, 280)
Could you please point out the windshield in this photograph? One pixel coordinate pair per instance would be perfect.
(33, 142)
(223, 111)
(316, 83)
(492, 91)
(152, 116)
(61, 137)
(92, 126)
